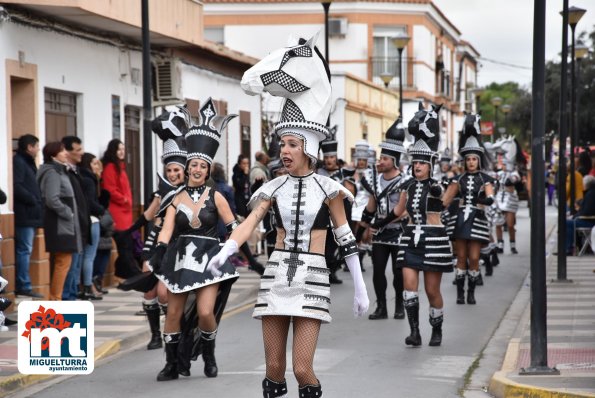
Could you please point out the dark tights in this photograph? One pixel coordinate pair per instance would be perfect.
(305, 337)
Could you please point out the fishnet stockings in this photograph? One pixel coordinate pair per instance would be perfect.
(275, 330)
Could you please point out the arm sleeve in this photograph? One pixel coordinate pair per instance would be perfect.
(110, 183)
(18, 180)
(50, 185)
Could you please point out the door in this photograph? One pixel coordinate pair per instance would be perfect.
(132, 140)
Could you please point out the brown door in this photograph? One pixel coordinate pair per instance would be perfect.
(132, 140)
(60, 114)
(245, 143)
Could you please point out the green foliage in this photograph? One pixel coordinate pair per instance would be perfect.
(518, 121)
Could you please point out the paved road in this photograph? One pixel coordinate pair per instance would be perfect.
(356, 357)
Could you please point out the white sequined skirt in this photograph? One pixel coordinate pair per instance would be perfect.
(295, 284)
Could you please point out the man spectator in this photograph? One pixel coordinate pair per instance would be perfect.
(27, 210)
(259, 174)
(74, 148)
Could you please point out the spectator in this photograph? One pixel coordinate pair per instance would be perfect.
(90, 185)
(27, 210)
(260, 172)
(584, 162)
(585, 217)
(106, 227)
(61, 227)
(241, 185)
(221, 186)
(74, 150)
(116, 182)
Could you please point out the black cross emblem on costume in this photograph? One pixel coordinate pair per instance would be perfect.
(293, 262)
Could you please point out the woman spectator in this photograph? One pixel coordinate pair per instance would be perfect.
(61, 228)
(106, 230)
(115, 181)
(241, 185)
(90, 186)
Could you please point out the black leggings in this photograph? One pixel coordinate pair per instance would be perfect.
(380, 254)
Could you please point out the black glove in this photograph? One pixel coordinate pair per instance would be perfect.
(141, 222)
(436, 190)
(158, 257)
(385, 221)
(508, 182)
(483, 200)
(359, 233)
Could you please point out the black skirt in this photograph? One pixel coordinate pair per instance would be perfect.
(430, 252)
(184, 264)
(474, 226)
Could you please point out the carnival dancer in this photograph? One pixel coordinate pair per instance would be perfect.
(344, 177)
(476, 190)
(188, 239)
(507, 198)
(171, 128)
(384, 196)
(362, 171)
(295, 287)
(424, 244)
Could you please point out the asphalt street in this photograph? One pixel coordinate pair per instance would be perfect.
(355, 357)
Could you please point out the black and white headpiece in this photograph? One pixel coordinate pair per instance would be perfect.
(329, 146)
(361, 150)
(392, 146)
(470, 140)
(425, 128)
(171, 128)
(202, 141)
(299, 74)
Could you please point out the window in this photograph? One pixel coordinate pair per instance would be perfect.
(385, 56)
(60, 114)
(116, 116)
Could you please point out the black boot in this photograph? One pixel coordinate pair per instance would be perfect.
(412, 308)
(471, 283)
(494, 258)
(153, 313)
(89, 295)
(170, 371)
(399, 309)
(98, 282)
(208, 353)
(272, 389)
(460, 279)
(488, 264)
(310, 391)
(380, 312)
(334, 279)
(256, 266)
(479, 280)
(436, 338)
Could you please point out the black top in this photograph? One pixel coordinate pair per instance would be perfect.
(419, 202)
(470, 184)
(186, 209)
(89, 186)
(27, 195)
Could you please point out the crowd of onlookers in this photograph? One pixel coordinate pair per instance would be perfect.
(80, 202)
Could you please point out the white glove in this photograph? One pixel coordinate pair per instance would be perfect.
(229, 248)
(360, 299)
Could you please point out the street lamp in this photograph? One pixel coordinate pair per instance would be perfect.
(326, 5)
(505, 110)
(574, 15)
(496, 102)
(386, 78)
(400, 41)
(580, 52)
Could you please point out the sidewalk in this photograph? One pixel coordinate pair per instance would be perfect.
(116, 328)
(570, 338)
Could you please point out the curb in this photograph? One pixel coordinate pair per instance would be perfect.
(16, 382)
(501, 386)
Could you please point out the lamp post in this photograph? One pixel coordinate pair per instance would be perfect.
(386, 78)
(574, 15)
(580, 52)
(400, 41)
(147, 109)
(505, 110)
(496, 102)
(326, 5)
